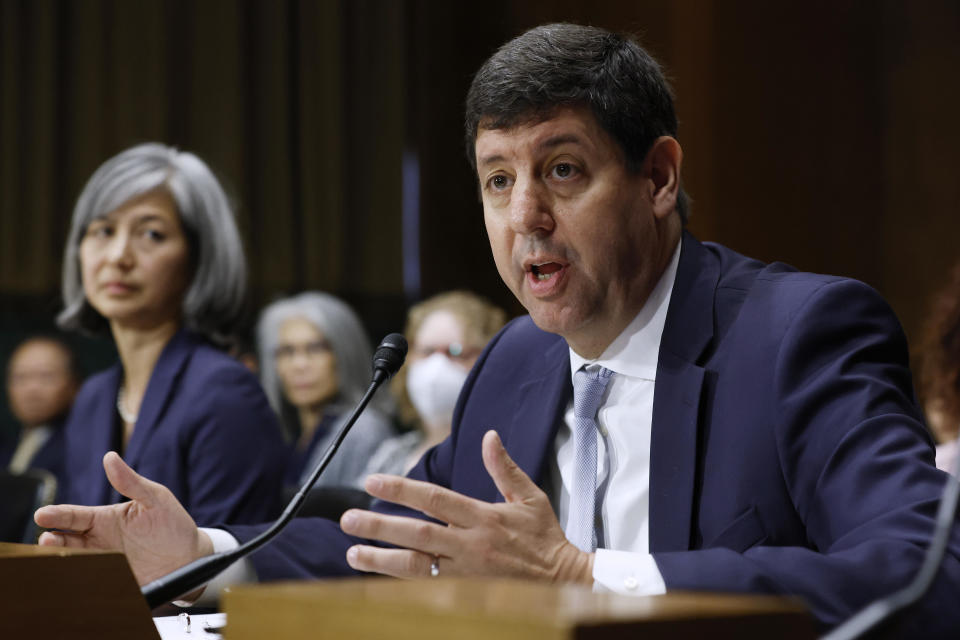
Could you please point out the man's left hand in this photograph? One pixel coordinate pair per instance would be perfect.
(519, 537)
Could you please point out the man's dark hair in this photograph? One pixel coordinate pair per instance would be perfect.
(562, 65)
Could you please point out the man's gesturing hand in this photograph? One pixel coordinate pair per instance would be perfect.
(520, 537)
(154, 531)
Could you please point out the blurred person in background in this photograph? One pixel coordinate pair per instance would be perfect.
(154, 257)
(315, 365)
(447, 333)
(940, 371)
(42, 380)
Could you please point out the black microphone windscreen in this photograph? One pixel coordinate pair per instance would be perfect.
(390, 354)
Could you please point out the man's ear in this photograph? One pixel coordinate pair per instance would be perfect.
(662, 165)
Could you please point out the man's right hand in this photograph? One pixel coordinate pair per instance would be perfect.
(154, 530)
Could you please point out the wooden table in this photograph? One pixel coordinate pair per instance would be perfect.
(498, 609)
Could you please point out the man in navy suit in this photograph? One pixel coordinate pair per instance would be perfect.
(756, 428)
(42, 381)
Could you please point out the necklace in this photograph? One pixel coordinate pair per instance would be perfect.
(127, 416)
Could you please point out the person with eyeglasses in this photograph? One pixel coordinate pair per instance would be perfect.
(315, 365)
(447, 333)
(43, 376)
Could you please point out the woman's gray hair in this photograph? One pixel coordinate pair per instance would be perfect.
(214, 302)
(341, 329)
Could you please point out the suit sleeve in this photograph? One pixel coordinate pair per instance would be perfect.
(858, 464)
(235, 453)
(316, 547)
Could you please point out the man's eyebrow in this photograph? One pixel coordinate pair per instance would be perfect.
(559, 139)
(490, 160)
(553, 141)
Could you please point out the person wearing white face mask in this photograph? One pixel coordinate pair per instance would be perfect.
(434, 384)
(447, 333)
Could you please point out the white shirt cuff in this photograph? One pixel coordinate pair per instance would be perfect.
(632, 574)
(239, 572)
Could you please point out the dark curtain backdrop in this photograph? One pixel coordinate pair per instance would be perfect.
(823, 134)
(306, 144)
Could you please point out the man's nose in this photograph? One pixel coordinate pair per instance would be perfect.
(531, 210)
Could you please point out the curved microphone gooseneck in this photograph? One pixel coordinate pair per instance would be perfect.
(387, 359)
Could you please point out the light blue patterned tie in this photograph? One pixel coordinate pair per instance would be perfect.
(588, 388)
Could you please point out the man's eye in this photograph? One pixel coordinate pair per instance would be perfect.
(499, 182)
(563, 170)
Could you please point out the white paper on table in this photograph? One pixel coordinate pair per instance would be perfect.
(173, 628)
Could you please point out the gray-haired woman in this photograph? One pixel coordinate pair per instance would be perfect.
(154, 257)
(315, 363)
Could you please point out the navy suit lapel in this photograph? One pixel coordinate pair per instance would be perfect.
(673, 444)
(159, 393)
(538, 412)
(103, 425)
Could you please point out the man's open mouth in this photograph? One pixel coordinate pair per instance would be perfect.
(546, 270)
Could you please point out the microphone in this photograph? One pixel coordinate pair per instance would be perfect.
(884, 608)
(387, 359)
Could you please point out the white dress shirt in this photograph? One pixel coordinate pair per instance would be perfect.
(622, 562)
(31, 441)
